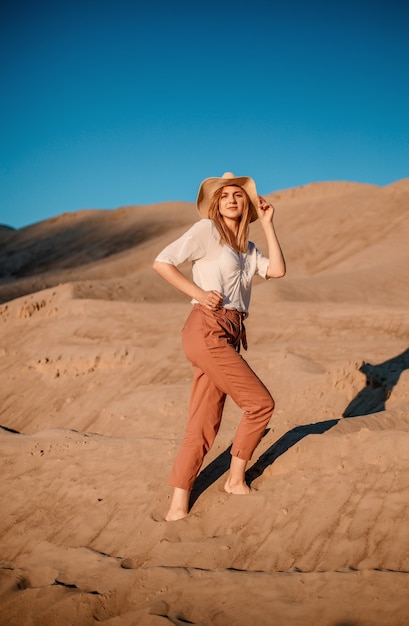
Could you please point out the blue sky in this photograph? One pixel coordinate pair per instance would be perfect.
(119, 102)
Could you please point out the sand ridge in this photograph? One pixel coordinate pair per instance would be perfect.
(94, 396)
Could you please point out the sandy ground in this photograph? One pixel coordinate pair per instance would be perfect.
(94, 395)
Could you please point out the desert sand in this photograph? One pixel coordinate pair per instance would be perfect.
(94, 394)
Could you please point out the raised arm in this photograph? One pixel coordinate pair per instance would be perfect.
(276, 268)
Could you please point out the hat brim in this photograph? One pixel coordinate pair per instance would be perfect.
(210, 185)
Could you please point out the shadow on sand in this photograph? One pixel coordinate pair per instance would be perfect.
(380, 381)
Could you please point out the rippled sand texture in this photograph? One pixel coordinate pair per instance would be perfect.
(93, 400)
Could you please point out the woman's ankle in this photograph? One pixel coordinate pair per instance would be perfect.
(179, 507)
(236, 486)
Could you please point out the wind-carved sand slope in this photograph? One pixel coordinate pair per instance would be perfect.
(94, 398)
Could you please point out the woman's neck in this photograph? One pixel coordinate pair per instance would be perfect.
(232, 225)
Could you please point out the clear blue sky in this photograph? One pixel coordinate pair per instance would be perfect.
(117, 102)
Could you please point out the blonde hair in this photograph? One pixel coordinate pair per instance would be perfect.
(239, 243)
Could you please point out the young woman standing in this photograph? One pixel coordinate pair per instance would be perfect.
(224, 263)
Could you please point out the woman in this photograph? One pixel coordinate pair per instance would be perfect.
(223, 265)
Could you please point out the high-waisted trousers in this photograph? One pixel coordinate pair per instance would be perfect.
(211, 341)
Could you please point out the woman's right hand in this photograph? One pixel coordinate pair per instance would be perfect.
(212, 300)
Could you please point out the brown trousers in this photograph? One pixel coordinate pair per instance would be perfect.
(211, 341)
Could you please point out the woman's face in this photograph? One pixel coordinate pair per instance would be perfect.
(232, 202)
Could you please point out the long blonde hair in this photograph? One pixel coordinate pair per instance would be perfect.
(239, 243)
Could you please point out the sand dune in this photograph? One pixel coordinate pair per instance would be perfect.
(93, 403)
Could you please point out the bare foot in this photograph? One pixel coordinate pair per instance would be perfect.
(179, 507)
(172, 515)
(238, 488)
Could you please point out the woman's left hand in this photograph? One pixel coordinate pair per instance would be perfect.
(265, 210)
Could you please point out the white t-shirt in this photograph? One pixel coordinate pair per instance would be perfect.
(216, 265)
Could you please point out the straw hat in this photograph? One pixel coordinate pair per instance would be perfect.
(210, 185)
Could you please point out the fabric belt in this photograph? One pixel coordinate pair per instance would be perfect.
(235, 316)
(242, 340)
